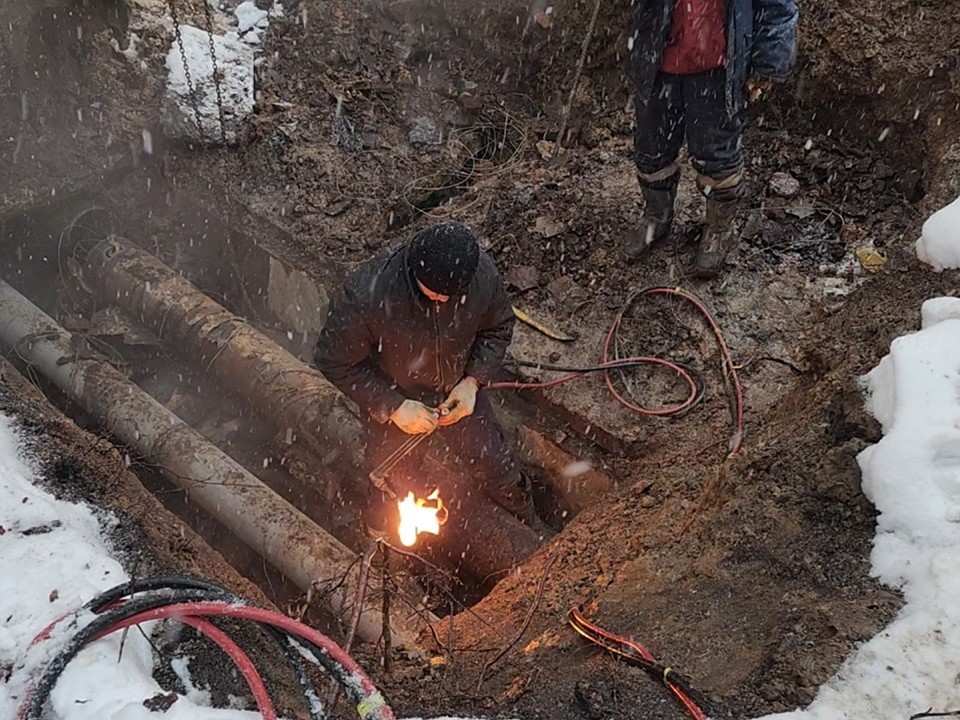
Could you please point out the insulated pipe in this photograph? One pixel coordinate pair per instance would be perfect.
(284, 536)
(285, 391)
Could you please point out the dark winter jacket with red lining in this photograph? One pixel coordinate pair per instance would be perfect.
(384, 341)
(760, 42)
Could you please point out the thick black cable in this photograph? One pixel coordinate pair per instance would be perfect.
(218, 592)
(159, 597)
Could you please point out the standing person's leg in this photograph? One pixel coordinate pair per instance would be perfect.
(478, 446)
(657, 139)
(715, 139)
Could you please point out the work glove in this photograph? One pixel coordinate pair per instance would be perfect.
(415, 418)
(757, 88)
(461, 401)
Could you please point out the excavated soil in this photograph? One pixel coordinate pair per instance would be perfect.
(750, 574)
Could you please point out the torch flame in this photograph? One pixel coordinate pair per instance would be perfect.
(418, 515)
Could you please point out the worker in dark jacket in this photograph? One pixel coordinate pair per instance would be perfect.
(413, 338)
(695, 63)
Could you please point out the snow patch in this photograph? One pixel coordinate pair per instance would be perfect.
(913, 478)
(938, 309)
(53, 559)
(939, 243)
(235, 66)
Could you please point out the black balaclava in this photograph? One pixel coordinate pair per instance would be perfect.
(444, 258)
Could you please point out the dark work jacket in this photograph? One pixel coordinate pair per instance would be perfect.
(761, 43)
(384, 341)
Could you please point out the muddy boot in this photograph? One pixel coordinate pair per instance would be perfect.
(718, 239)
(656, 222)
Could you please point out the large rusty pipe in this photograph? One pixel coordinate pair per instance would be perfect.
(284, 536)
(288, 393)
(285, 391)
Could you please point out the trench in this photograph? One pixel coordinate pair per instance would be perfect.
(48, 246)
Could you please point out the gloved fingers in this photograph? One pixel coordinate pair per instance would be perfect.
(456, 414)
(415, 418)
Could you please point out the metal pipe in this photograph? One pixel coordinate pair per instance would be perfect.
(270, 526)
(285, 391)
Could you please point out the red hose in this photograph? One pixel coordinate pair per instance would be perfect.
(736, 440)
(234, 652)
(373, 707)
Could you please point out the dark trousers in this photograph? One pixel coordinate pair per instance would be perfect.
(691, 107)
(475, 448)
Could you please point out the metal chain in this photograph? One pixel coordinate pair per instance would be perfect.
(558, 147)
(216, 72)
(186, 69)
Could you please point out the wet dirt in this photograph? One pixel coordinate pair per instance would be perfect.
(749, 574)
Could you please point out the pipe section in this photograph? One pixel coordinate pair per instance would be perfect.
(283, 390)
(270, 526)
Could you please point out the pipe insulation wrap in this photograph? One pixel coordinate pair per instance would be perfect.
(285, 537)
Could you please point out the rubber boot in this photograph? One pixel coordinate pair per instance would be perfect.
(656, 222)
(718, 239)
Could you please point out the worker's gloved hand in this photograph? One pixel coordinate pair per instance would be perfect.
(461, 401)
(758, 88)
(415, 418)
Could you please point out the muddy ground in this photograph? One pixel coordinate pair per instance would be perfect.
(750, 573)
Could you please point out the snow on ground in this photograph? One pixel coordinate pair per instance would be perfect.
(235, 63)
(939, 244)
(913, 478)
(53, 559)
(235, 54)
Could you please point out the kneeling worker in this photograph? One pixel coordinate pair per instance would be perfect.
(412, 338)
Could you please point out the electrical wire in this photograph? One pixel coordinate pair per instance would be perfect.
(637, 654)
(246, 667)
(357, 685)
(164, 591)
(609, 362)
(182, 582)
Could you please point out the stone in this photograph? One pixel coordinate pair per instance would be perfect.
(423, 133)
(522, 277)
(784, 185)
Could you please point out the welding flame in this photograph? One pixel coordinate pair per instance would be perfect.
(419, 515)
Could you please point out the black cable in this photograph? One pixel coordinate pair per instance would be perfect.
(186, 582)
(160, 598)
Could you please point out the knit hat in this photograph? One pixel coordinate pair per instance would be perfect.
(444, 258)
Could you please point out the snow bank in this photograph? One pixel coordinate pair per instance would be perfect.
(939, 244)
(235, 63)
(913, 478)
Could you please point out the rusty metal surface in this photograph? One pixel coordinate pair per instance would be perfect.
(285, 391)
(257, 515)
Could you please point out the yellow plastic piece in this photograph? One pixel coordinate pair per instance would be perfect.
(555, 334)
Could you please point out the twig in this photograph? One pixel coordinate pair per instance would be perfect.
(526, 621)
(930, 713)
(362, 575)
(387, 639)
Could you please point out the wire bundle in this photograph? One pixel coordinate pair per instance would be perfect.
(195, 602)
